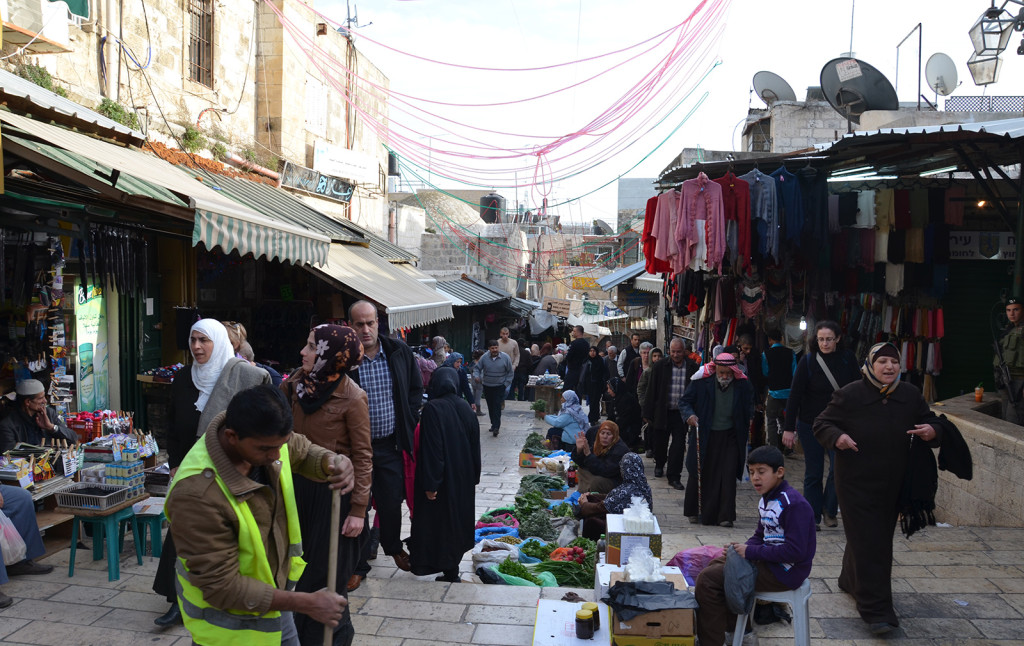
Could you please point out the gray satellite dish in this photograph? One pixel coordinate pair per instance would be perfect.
(852, 87)
(940, 70)
(771, 88)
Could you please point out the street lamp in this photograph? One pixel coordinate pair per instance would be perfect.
(990, 35)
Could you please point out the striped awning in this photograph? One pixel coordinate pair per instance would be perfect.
(277, 241)
(407, 302)
(219, 222)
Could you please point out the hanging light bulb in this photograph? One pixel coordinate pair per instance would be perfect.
(803, 323)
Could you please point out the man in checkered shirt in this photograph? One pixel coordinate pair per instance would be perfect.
(391, 379)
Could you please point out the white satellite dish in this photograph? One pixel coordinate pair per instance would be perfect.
(771, 88)
(940, 70)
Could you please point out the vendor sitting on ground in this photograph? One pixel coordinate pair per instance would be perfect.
(33, 421)
(597, 454)
(594, 507)
(569, 421)
(16, 503)
(782, 547)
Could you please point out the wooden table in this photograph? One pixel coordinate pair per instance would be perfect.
(552, 395)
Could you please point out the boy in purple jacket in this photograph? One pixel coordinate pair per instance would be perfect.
(782, 547)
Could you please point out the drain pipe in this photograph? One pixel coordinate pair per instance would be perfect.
(110, 54)
(245, 164)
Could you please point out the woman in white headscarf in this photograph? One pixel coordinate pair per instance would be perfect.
(199, 393)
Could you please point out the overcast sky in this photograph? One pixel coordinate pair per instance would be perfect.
(793, 38)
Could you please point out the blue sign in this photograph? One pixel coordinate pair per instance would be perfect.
(307, 179)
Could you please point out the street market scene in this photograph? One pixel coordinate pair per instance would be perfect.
(511, 324)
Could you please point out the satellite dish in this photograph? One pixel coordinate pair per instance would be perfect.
(852, 87)
(771, 88)
(940, 70)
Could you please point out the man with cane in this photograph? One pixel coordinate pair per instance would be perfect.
(718, 410)
(232, 513)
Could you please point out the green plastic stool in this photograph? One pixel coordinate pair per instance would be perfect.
(154, 524)
(106, 527)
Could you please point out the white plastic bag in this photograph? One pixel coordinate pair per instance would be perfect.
(498, 552)
(11, 542)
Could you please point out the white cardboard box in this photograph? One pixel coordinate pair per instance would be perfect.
(556, 625)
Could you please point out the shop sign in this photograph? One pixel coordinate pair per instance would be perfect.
(309, 180)
(982, 245)
(590, 308)
(557, 306)
(331, 159)
(91, 330)
(584, 283)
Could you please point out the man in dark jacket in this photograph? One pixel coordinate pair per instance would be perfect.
(778, 365)
(579, 349)
(719, 406)
(394, 390)
(661, 411)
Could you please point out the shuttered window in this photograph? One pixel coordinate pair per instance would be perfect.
(200, 42)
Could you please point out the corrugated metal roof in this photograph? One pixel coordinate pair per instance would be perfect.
(471, 292)
(650, 283)
(276, 205)
(380, 246)
(521, 306)
(621, 275)
(1009, 128)
(25, 95)
(426, 279)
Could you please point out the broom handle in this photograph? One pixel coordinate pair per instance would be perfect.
(332, 556)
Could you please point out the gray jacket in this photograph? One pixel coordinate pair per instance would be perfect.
(494, 372)
(236, 376)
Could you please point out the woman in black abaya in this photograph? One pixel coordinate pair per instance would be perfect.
(447, 472)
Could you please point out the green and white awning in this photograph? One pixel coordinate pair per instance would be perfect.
(275, 240)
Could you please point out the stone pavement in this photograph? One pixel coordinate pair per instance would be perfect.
(962, 585)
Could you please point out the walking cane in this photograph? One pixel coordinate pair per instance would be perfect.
(700, 477)
(332, 556)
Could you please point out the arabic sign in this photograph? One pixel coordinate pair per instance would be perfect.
(583, 283)
(557, 306)
(982, 245)
(337, 161)
(307, 179)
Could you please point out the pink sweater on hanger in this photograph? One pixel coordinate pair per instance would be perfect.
(701, 199)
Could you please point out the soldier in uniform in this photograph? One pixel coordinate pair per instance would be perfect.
(1012, 344)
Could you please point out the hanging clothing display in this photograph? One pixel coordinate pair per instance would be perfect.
(736, 200)
(764, 211)
(814, 191)
(647, 241)
(700, 230)
(791, 202)
(666, 217)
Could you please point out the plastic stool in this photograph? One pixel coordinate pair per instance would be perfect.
(106, 527)
(155, 525)
(798, 600)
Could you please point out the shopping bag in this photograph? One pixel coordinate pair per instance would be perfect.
(11, 542)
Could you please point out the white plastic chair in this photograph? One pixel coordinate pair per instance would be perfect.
(798, 600)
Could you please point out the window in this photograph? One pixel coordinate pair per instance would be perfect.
(200, 41)
(316, 106)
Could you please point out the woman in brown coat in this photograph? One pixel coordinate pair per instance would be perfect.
(874, 425)
(332, 411)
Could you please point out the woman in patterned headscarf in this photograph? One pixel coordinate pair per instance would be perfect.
(875, 425)
(332, 411)
(594, 508)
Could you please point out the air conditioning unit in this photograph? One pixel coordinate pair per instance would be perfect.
(39, 24)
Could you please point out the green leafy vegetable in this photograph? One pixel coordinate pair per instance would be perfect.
(528, 503)
(537, 549)
(564, 510)
(517, 569)
(569, 574)
(538, 524)
(535, 445)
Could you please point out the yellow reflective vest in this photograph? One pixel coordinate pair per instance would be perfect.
(210, 626)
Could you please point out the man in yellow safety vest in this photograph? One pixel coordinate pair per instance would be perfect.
(232, 513)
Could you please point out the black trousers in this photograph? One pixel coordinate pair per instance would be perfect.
(388, 490)
(671, 457)
(494, 396)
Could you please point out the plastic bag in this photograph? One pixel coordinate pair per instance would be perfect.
(567, 528)
(497, 552)
(692, 561)
(494, 532)
(11, 542)
(740, 576)
(547, 579)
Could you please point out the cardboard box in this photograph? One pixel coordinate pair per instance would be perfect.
(620, 543)
(604, 572)
(527, 461)
(555, 625)
(669, 627)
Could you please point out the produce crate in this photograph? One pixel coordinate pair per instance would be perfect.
(92, 496)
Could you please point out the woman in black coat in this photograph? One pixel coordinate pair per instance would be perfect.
(875, 425)
(598, 453)
(447, 472)
(593, 380)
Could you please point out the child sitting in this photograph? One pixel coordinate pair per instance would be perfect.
(782, 547)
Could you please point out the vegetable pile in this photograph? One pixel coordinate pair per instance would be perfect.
(517, 569)
(535, 445)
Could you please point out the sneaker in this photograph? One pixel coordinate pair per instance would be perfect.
(725, 523)
(830, 520)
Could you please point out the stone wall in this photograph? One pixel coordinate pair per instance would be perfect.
(995, 496)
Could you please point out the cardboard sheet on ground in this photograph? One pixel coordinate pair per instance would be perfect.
(556, 625)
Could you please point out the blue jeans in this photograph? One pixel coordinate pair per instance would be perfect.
(19, 508)
(820, 498)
